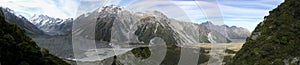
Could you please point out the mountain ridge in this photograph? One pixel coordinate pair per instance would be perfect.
(128, 18)
(21, 21)
(232, 32)
(52, 26)
(131, 27)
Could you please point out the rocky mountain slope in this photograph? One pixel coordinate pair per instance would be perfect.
(21, 22)
(18, 49)
(119, 26)
(275, 41)
(232, 32)
(52, 26)
(115, 24)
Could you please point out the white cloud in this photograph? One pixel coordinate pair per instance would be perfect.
(87, 6)
(238, 13)
(242, 13)
(247, 14)
(110, 2)
(167, 7)
(53, 8)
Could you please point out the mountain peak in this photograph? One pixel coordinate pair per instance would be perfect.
(50, 25)
(20, 20)
(208, 23)
(111, 9)
(159, 14)
(37, 19)
(8, 10)
(232, 32)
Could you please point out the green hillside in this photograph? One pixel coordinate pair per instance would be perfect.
(18, 49)
(276, 40)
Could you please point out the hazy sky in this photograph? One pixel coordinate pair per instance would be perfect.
(241, 13)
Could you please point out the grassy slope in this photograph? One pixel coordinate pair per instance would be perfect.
(274, 41)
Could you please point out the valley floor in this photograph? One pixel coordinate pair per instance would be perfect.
(227, 50)
(235, 45)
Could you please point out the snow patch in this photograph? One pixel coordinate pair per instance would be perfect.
(211, 38)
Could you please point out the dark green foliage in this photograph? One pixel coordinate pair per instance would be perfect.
(230, 51)
(18, 49)
(277, 41)
(227, 59)
(116, 62)
(141, 52)
(173, 56)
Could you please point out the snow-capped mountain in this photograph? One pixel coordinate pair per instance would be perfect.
(52, 26)
(21, 22)
(116, 24)
(232, 32)
(119, 27)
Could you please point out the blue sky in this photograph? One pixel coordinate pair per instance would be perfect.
(241, 13)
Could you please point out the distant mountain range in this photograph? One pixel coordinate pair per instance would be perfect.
(113, 25)
(52, 26)
(232, 32)
(21, 21)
